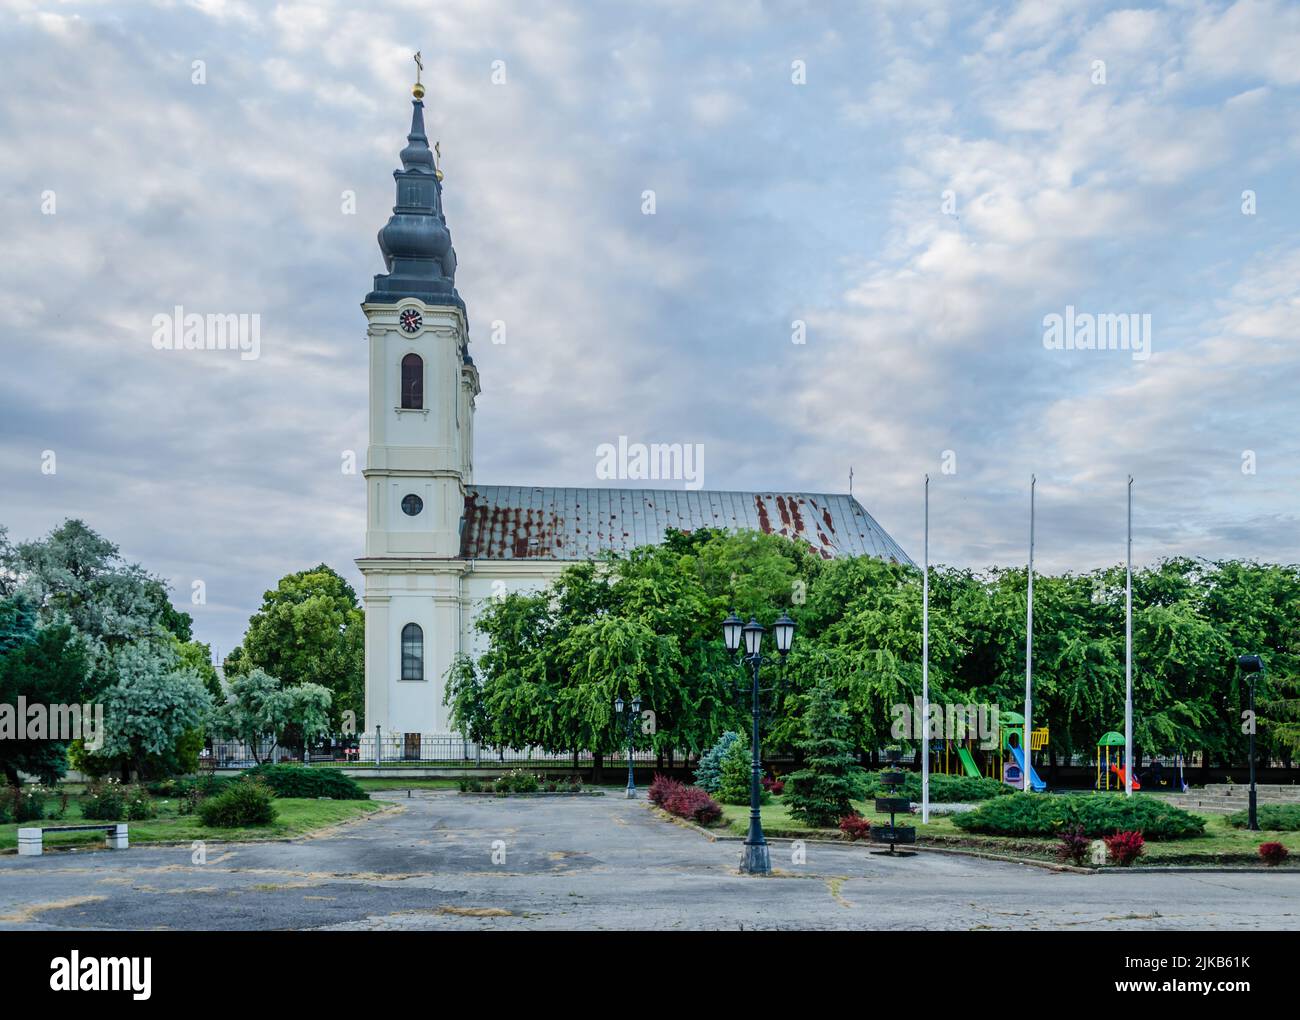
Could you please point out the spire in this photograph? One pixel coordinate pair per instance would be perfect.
(415, 241)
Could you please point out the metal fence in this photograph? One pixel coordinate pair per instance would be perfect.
(419, 749)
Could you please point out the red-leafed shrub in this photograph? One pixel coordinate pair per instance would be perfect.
(773, 785)
(694, 804)
(1125, 847)
(1273, 853)
(1073, 848)
(662, 788)
(855, 826)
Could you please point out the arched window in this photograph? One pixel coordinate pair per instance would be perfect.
(412, 652)
(413, 382)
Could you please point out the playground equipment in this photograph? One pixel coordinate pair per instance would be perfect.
(957, 757)
(1013, 738)
(1112, 776)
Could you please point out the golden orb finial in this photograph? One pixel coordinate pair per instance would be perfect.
(417, 90)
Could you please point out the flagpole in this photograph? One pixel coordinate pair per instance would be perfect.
(1128, 651)
(1029, 647)
(925, 667)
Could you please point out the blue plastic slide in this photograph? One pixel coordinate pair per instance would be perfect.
(1034, 781)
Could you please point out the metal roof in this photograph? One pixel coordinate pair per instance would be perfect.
(505, 522)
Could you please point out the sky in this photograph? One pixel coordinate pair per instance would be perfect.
(863, 218)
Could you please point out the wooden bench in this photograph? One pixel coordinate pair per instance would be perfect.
(31, 841)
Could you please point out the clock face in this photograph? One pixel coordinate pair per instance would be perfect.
(410, 320)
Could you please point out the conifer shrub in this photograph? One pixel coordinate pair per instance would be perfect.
(708, 774)
(822, 792)
(309, 783)
(1099, 815)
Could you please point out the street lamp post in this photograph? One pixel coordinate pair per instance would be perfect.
(756, 859)
(1252, 665)
(631, 722)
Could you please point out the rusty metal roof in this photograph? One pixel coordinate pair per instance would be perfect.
(505, 522)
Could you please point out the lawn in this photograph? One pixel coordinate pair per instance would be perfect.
(1221, 843)
(295, 818)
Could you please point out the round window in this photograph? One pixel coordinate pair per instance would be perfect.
(412, 504)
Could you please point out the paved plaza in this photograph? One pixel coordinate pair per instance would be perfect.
(440, 860)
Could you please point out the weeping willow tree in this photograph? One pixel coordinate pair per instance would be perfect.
(648, 624)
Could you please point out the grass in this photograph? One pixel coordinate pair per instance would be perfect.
(1221, 844)
(295, 818)
(398, 783)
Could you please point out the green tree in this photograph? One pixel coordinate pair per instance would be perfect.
(261, 708)
(309, 629)
(44, 665)
(821, 793)
(153, 716)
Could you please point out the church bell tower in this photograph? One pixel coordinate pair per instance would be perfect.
(423, 384)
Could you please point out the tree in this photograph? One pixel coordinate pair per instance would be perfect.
(77, 575)
(309, 629)
(708, 774)
(43, 665)
(821, 793)
(735, 774)
(261, 707)
(197, 656)
(153, 715)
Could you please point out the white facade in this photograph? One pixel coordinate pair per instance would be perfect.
(412, 566)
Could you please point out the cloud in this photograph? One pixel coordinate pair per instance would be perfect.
(775, 202)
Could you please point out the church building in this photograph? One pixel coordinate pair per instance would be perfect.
(438, 544)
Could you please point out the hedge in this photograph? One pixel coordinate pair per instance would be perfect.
(1276, 817)
(298, 781)
(1101, 814)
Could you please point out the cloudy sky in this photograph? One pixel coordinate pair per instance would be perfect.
(920, 183)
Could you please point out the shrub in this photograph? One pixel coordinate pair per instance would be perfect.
(1273, 854)
(693, 803)
(708, 774)
(1125, 847)
(737, 769)
(772, 785)
(1073, 848)
(661, 789)
(245, 803)
(1276, 817)
(517, 781)
(855, 826)
(29, 803)
(104, 802)
(1029, 814)
(468, 784)
(139, 806)
(299, 781)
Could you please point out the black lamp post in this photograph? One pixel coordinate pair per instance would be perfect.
(631, 722)
(756, 860)
(1252, 665)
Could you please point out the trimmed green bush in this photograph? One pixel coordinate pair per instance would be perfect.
(1277, 817)
(298, 781)
(245, 803)
(1101, 814)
